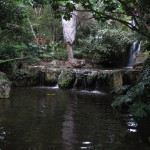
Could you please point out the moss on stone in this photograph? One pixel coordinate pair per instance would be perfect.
(66, 80)
(91, 79)
(51, 76)
(4, 86)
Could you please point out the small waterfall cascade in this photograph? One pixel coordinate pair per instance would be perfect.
(97, 85)
(134, 51)
(80, 79)
(77, 74)
(84, 86)
(56, 86)
(41, 78)
(86, 81)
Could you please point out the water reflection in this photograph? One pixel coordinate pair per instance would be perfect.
(68, 136)
(51, 119)
(132, 125)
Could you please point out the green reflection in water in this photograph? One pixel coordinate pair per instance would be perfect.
(48, 119)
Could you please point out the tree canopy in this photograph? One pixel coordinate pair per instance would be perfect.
(11, 19)
(134, 14)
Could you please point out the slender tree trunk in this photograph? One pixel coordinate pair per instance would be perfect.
(70, 51)
(33, 32)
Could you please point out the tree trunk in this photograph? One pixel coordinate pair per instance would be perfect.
(69, 50)
(33, 32)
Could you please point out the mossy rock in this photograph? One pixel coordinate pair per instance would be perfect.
(108, 80)
(141, 59)
(3, 78)
(51, 76)
(4, 86)
(91, 79)
(131, 77)
(27, 77)
(66, 80)
(117, 80)
(79, 80)
(77, 63)
(104, 80)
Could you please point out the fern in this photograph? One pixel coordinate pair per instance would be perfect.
(137, 97)
(121, 90)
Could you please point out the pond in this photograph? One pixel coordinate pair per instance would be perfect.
(52, 119)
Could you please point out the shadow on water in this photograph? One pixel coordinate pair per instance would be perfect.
(52, 119)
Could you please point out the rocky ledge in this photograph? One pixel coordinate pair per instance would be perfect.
(4, 86)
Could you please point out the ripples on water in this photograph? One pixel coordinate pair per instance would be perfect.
(52, 119)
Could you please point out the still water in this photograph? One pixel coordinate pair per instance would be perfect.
(52, 119)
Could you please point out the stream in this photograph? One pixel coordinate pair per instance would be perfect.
(42, 118)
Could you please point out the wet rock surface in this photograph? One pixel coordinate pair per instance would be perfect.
(4, 86)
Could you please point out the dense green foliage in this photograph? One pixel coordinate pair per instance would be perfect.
(122, 11)
(137, 97)
(104, 43)
(12, 21)
(14, 34)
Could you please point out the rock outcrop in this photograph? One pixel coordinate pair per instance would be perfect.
(86, 79)
(140, 60)
(66, 79)
(4, 86)
(51, 76)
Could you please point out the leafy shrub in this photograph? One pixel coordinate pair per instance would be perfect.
(61, 54)
(106, 44)
(7, 52)
(146, 45)
(121, 90)
(11, 53)
(79, 54)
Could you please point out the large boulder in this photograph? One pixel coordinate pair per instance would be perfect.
(85, 78)
(110, 79)
(66, 79)
(91, 79)
(29, 76)
(4, 86)
(130, 77)
(77, 63)
(51, 76)
(140, 60)
(117, 79)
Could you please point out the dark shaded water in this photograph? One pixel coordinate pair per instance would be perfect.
(51, 119)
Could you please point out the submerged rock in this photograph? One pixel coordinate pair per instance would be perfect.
(4, 86)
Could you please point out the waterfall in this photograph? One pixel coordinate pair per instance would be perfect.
(56, 86)
(134, 51)
(84, 82)
(41, 78)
